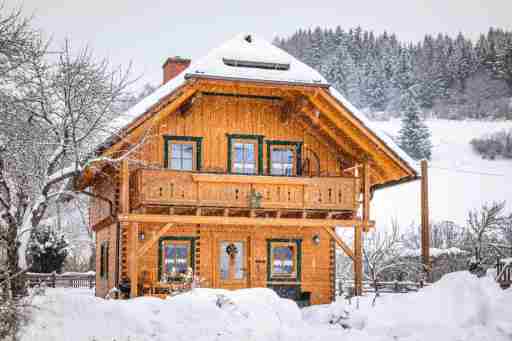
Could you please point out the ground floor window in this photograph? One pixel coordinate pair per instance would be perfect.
(176, 256)
(284, 260)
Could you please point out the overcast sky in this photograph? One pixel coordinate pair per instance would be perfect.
(147, 31)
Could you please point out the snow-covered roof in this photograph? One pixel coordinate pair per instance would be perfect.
(213, 66)
(253, 49)
(258, 60)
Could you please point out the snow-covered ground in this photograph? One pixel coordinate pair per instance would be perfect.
(459, 307)
(460, 180)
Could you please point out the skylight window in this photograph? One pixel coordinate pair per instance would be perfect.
(256, 65)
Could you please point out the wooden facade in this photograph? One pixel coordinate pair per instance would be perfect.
(243, 182)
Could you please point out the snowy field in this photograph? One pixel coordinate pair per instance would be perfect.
(460, 180)
(458, 307)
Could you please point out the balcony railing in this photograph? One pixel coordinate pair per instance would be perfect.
(165, 187)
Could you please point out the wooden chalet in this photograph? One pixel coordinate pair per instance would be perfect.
(240, 167)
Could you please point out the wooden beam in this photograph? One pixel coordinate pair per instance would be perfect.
(103, 223)
(152, 117)
(134, 272)
(238, 221)
(145, 248)
(366, 192)
(358, 260)
(358, 124)
(356, 131)
(125, 187)
(260, 179)
(342, 143)
(340, 242)
(425, 223)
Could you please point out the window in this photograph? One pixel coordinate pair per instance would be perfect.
(176, 255)
(284, 158)
(244, 157)
(282, 161)
(104, 260)
(284, 259)
(245, 154)
(183, 152)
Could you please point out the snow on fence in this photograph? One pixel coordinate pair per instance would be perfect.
(65, 280)
(347, 287)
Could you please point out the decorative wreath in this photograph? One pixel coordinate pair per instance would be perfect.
(231, 250)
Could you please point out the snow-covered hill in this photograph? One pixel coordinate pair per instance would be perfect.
(460, 180)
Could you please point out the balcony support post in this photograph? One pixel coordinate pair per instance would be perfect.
(125, 187)
(358, 260)
(366, 193)
(134, 271)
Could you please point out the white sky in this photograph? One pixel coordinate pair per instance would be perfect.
(147, 32)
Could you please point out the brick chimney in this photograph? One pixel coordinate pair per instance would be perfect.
(173, 66)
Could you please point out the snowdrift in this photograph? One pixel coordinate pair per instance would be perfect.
(458, 307)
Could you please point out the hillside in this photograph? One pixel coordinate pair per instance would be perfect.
(452, 77)
(460, 180)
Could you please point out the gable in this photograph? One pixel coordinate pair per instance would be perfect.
(308, 100)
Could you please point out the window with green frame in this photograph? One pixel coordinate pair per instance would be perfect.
(176, 255)
(284, 158)
(284, 259)
(182, 152)
(245, 154)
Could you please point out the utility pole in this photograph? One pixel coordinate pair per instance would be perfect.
(425, 223)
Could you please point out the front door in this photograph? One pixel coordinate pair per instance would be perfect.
(233, 263)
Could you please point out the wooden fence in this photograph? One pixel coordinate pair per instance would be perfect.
(504, 272)
(73, 280)
(347, 287)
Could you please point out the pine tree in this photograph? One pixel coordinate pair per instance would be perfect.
(48, 250)
(414, 135)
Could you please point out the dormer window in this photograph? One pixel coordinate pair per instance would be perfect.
(256, 65)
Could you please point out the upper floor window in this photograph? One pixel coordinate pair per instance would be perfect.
(284, 158)
(183, 153)
(245, 154)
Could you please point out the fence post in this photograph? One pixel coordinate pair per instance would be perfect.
(91, 281)
(54, 280)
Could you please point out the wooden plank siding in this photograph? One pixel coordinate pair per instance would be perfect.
(145, 194)
(316, 259)
(214, 116)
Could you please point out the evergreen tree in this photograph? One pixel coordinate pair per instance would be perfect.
(414, 135)
(444, 70)
(48, 250)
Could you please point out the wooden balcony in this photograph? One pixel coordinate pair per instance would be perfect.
(173, 188)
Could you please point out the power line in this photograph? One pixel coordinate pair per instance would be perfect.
(467, 171)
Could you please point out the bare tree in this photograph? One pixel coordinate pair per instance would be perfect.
(481, 225)
(382, 253)
(50, 126)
